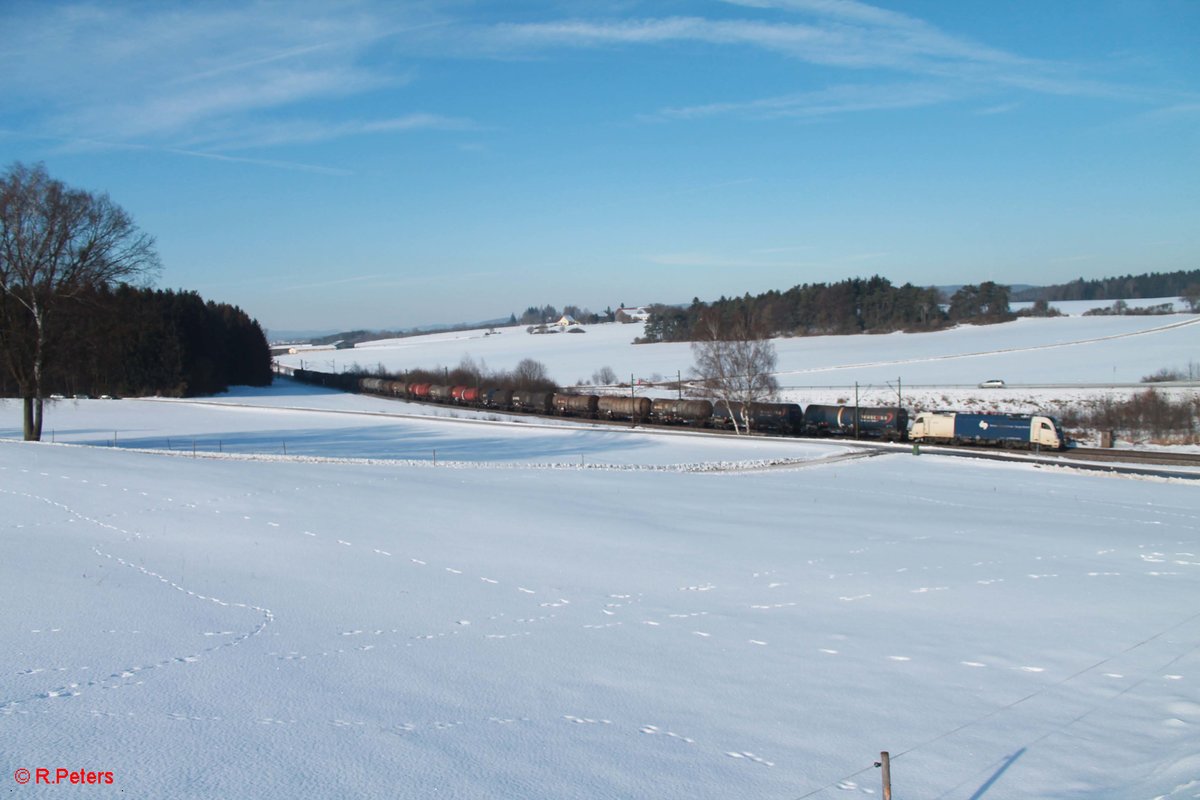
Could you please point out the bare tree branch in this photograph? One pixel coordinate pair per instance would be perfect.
(55, 242)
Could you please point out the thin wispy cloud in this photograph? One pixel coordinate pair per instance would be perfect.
(312, 131)
(822, 103)
(212, 78)
(97, 145)
(203, 75)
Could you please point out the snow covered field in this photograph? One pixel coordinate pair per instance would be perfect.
(1074, 349)
(559, 611)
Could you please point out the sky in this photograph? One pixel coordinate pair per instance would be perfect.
(382, 165)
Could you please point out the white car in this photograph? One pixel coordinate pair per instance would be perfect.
(994, 383)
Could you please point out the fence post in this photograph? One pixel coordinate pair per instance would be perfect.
(885, 763)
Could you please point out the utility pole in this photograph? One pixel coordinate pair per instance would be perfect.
(856, 409)
(679, 382)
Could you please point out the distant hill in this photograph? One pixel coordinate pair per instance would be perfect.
(354, 337)
(1128, 287)
(280, 337)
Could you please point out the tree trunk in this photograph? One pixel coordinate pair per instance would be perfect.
(30, 434)
(38, 404)
(33, 430)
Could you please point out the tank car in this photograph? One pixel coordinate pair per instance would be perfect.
(576, 405)
(533, 402)
(887, 422)
(681, 412)
(786, 418)
(497, 398)
(636, 409)
(440, 393)
(465, 395)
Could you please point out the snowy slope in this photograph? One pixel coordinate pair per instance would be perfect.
(1026, 351)
(214, 627)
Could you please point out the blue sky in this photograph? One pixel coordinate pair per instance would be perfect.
(361, 164)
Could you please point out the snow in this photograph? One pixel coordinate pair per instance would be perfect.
(677, 616)
(1056, 351)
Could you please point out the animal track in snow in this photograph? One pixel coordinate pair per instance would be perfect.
(654, 730)
(745, 754)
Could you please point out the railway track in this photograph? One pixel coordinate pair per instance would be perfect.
(1133, 456)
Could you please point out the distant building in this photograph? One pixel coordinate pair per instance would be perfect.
(567, 321)
(635, 313)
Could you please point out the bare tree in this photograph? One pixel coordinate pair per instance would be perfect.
(735, 362)
(55, 242)
(605, 376)
(530, 374)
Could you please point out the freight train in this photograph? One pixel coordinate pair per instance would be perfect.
(785, 419)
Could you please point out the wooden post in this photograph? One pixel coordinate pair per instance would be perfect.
(885, 763)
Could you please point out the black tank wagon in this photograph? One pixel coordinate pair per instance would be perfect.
(888, 422)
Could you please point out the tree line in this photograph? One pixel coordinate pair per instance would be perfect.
(855, 305)
(129, 341)
(72, 320)
(1125, 287)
